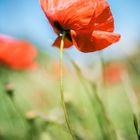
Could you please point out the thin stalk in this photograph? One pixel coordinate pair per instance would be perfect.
(110, 129)
(133, 99)
(95, 88)
(135, 121)
(102, 61)
(62, 87)
(105, 132)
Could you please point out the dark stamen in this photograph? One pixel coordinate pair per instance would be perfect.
(58, 26)
(61, 30)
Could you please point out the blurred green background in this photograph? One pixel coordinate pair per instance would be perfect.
(102, 89)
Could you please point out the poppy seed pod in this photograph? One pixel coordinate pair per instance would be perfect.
(88, 25)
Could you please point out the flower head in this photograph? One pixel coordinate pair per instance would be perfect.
(88, 24)
(17, 54)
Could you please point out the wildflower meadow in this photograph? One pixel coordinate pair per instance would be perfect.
(69, 70)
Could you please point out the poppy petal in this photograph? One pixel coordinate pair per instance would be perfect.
(82, 41)
(103, 39)
(70, 14)
(17, 54)
(93, 41)
(107, 26)
(57, 42)
(44, 4)
(102, 19)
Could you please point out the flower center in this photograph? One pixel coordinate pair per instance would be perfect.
(58, 26)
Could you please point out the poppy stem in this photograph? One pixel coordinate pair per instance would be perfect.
(133, 99)
(62, 87)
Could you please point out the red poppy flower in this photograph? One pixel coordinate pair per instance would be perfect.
(88, 24)
(16, 54)
(113, 73)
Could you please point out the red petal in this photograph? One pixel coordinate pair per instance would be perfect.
(103, 39)
(44, 4)
(93, 41)
(17, 54)
(102, 19)
(71, 14)
(57, 42)
(82, 41)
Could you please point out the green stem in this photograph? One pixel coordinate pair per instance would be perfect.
(135, 121)
(107, 132)
(133, 99)
(62, 88)
(102, 61)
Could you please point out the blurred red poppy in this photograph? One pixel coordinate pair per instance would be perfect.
(17, 54)
(88, 24)
(113, 73)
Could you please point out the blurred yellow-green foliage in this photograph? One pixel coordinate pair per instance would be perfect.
(33, 109)
(102, 90)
